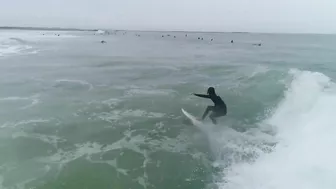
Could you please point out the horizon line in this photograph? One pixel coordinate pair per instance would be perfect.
(150, 30)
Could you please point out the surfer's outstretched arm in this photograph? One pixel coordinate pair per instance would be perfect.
(202, 95)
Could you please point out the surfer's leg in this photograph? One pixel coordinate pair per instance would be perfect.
(217, 112)
(212, 117)
(209, 108)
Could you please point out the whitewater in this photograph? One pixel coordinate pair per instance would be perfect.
(304, 128)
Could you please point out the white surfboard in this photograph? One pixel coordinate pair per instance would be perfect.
(192, 118)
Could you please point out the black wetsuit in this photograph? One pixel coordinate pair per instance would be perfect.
(218, 110)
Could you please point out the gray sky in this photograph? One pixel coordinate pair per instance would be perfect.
(307, 16)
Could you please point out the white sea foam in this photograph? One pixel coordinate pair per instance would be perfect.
(34, 100)
(147, 91)
(260, 69)
(100, 32)
(75, 82)
(14, 98)
(23, 122)
(13, 49)
(119, 114)
(16, 42)
(304, 155)
(111, 102)
(90, 148)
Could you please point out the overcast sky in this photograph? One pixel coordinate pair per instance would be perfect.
(307, 16)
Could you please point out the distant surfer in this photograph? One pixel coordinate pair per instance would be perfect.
(218, 110)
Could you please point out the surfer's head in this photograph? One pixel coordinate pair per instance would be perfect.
(211, 91)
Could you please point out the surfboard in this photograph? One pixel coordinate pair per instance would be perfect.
(192, 118)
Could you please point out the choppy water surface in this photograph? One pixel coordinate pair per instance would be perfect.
(75, 113)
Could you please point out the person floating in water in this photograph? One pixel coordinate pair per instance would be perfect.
(216, 111)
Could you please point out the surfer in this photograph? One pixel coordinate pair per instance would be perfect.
(218, 110)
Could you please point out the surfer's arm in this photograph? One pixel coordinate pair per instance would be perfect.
(202, 95)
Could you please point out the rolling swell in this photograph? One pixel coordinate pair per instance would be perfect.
(19, 40)
(12, 45)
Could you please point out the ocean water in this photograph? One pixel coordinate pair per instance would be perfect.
(76, 114)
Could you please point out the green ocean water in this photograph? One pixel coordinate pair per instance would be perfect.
(75, 113)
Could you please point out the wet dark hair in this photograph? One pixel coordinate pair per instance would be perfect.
(211, 91)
